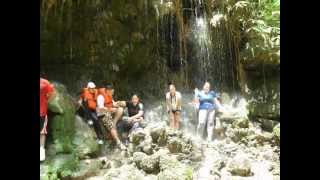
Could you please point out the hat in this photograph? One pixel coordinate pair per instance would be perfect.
(109, 86)
(91, 85)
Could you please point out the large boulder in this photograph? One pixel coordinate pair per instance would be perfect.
(267, 124)
(159, 135)
(263, 93)
(148, 163)
(84, 139)
(172, 169)
(241, 123)
(137, 136)
(240, 165)
(175, 145)
(264, 137)
(238, 135)
(61, 120)
(125, 172)
(138, 157)
(85, 169)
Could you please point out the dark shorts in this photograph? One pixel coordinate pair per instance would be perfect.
(43, 125)
(126, 127)
(174, 111)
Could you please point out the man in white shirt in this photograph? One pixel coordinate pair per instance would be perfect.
(173, 102)
(106, 107)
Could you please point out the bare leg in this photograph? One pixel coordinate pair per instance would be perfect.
(177, 120)
(201, 122)
(171, 119)
(42, 140)
(210, 125)
(118, 115)
(114, 135)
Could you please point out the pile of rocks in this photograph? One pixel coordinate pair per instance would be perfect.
(156, 152)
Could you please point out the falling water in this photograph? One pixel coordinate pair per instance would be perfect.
(196, 42)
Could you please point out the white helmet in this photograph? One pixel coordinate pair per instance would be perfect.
(91, 85)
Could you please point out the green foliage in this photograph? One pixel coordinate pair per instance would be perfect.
(263, 32)
(255, 27)
(60, 166)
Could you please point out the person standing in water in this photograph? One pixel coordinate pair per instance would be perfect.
(208, 103)
(46, 93)
(173, 102)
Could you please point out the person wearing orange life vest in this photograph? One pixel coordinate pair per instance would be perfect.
(110, 112)
(46, 93)
(88, 101)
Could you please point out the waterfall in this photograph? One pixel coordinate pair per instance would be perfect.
(195, 43)
(184, 41)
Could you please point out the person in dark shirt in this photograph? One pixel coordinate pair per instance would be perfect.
(135, 115)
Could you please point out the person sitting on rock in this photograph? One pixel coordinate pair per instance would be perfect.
(173, 102)
(135, 115)
(46, 93)
(110, 112)
(208, 103)
(88, 102)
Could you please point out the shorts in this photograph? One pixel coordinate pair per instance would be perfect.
(43, 124)
(174, 111)
(107, 120)
(126, 127)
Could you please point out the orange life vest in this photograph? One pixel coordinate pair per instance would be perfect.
(91, 98)
(108, 103)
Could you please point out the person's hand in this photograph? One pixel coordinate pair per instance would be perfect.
(113, 110)
(130, 120)
(116, 105)
(121, 103)
(223, 110)
(137, 120)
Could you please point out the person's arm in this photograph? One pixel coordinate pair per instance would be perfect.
(137, 116)
(197, 100)
(220, 107)
(114, 104)
(168, 102)
(179, 101)
(121, 104)
(140, 113)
